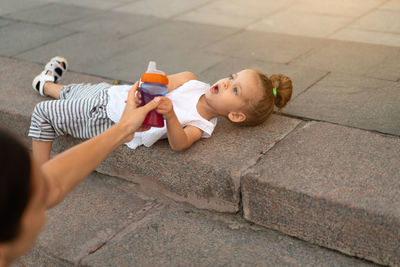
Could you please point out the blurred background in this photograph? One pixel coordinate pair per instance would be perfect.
(342, 55)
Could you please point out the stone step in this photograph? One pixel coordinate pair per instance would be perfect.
(108, 221)
(333, 186)
(240, 170)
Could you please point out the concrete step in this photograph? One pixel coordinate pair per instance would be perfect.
(108, 221)
(333, 186)
(262, 171)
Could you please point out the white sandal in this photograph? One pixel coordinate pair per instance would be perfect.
(57, 70)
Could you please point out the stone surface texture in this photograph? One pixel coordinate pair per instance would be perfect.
(365, 103)
(207, 175)
(184, 237)
(333, 190)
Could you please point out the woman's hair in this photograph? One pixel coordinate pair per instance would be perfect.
(259, 112)
(15, 185)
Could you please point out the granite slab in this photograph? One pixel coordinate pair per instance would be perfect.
(187, 237)
(206, 175)
(334, 186)
(19, 37)
(354, 58)
(98, 209)
(53, 14)
(270, 47)
(351, 100)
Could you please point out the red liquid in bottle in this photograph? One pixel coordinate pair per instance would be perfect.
(153, 118)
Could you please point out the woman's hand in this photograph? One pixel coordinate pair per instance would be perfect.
(132, 117)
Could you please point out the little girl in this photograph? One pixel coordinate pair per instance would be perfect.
(190, 108)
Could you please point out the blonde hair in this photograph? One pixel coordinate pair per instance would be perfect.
(257, 113)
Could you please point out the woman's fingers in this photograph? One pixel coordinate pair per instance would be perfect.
(151, 105)
(131, 94)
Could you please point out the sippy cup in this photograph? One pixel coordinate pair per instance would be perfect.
(153, 83)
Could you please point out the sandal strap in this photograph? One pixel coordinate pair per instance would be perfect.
(56, 69)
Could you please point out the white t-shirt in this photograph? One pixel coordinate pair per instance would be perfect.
(184, 100)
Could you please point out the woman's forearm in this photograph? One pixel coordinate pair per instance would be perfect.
(69, 168)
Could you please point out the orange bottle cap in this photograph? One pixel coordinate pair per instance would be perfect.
(154, 78)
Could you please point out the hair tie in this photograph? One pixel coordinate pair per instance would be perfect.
(274, 91)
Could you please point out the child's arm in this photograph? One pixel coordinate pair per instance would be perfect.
(179, 138)
(176, 80)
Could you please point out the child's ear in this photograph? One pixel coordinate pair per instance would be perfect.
(235, 116)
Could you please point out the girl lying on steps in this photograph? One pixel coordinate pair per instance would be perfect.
(190, 108)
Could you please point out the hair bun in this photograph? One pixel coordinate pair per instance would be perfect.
(284, 88)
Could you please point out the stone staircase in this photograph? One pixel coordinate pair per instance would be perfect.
(334, 186)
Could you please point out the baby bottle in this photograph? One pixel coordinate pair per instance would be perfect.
(153, 83)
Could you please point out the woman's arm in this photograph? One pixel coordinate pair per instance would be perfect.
(176, 80)
(68, 169)
(179, 138)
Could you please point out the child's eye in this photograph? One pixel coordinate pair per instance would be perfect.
(235, 91)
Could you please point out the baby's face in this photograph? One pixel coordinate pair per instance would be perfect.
(233, 93)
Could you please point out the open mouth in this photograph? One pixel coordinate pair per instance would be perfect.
(214, 90)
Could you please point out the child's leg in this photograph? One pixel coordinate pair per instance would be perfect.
(81, 118)
(41, 151)
(52, 89)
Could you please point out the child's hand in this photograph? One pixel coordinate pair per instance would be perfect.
(165, 107)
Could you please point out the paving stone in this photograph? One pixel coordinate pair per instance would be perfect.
(100, 4)
(38, 257)
(206, 17)
(159, 9)
(367, 36)
(391, 5)
(388, 68)
(118, 23)
(265, 46)
(99, 52)
(130, 66)
(351, 100)
(302, 77)
(92, 214)
(92, 49)
(335, 57)
(4, 22)
(7, 7)
(380, 20)
(19, 37)
(296, 23)
(354, 8)
(189, 238)
(208, 172)
(232, 13)
(53, 14)
(183, 36)
(333, 186)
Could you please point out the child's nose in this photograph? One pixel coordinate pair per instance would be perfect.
(226, 84)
